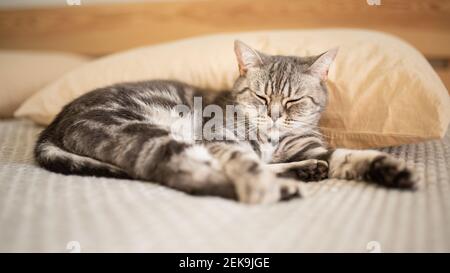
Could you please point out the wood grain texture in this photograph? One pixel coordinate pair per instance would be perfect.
(99, 30)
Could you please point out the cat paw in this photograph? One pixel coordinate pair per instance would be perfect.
(266, 188)
(289, 189)
(315, 171)
(391, 172)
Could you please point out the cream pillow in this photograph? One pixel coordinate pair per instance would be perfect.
(23, 73)
(382, 91)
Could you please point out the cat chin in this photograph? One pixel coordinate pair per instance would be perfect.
(274, 134)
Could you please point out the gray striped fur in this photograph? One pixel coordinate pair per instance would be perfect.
(128, 130)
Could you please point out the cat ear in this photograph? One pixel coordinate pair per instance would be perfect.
(246, 56)
(320, 67)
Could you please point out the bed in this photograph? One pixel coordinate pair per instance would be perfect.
(42, 211)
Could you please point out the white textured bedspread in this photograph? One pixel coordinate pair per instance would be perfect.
(43, 211)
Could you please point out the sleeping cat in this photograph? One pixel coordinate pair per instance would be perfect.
(133, 130)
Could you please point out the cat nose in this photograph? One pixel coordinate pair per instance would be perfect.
(274, 113)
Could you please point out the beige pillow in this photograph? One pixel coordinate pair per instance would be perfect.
(23, 73)
(382, 91)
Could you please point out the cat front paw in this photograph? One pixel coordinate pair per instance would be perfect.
(305, 170)
(289, 189)
(391, 172)
(316, 170)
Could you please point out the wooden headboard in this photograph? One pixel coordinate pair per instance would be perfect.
(103, 29)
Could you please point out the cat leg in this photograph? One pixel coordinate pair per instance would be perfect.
(295, 156)
(306, 170)
(372, 166)
(148, 152)
(254, 184)
(197, 172)
(365, 165)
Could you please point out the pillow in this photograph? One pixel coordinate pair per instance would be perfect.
(382, 91)
(25, 72)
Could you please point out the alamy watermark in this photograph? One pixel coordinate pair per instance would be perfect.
(73, 2)
(373, 2)
(373, 247)
(216, 123)
(73, 247)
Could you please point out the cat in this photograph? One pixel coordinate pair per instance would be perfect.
(131, 130)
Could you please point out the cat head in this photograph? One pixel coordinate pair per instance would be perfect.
(281, 93)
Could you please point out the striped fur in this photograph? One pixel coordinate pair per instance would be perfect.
(131, 130)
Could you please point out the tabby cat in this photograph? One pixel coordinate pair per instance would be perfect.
(132, 130)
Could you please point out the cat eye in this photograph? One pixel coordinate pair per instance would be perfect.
(291, 101)
(309, 99)
(266, 101)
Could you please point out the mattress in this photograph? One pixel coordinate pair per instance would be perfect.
(43, 211)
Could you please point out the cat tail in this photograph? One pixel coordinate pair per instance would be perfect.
(56, 159)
